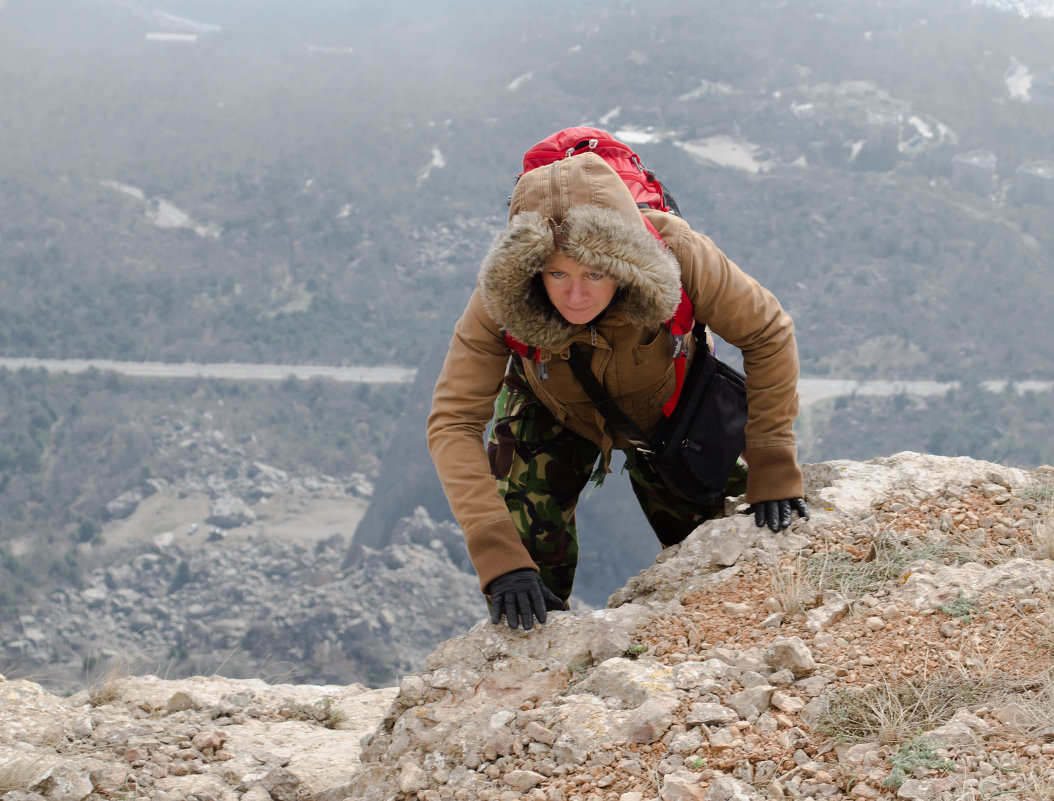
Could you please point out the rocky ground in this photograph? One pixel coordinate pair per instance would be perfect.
(199, 738)
(898, 644)
(247, 605)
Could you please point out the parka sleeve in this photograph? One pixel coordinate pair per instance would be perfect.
(748, 316)
(462, 406)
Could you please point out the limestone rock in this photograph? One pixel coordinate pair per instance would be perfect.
(65, 782)
(714, 704)
(650, 720)
(123, 505)
(682, 785)
(523, 780)
(728, 788)
(791, 654)
(229, 512)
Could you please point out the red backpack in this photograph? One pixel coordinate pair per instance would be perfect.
(649, 194)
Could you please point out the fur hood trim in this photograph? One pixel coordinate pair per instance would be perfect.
(614, 241)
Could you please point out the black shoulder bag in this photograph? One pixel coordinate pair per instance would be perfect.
(697, 446)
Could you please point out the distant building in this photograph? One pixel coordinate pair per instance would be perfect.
(974, 171)
(1034, 183)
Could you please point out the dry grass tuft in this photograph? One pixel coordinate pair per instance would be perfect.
(1043, 530)
(19, 773)
(793, 589)
(321, 711)
(1037, 785)
(1037, 625)
(1038, 709)
(893, 713)
(887, 560)
(104, 685)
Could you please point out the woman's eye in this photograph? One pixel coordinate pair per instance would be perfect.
(556, 274)
(596, 276)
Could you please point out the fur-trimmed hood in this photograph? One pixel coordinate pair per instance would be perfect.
(580, 206)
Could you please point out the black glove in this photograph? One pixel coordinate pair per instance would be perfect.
(521, 597)
(777, 514)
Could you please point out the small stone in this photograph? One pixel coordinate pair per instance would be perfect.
(137, 754)
(83, 727)
(212, 740)
(736, 609)
(729, 788)
(1011, 714)
(918, 790)
(781, 678)
(787, 703)
(710, 714)
(791, 654)
(863, 754)
(864, 790)
(570, 750)
(64, 782)
(501, 741)
(686, 743)
(523, 780)
(630, 766)
(773, 621)
(282, 784)
(721, 738)
(682, 785)
(651, 719)
(179, 702)
(537, 732)
(108, 778)
(752, 701)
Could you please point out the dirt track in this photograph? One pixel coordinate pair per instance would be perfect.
(810, 390)
(233, 371)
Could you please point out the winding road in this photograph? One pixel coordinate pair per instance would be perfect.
(810, 390)
(233, 371)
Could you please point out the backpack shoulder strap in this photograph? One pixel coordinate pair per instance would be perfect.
(605, 404)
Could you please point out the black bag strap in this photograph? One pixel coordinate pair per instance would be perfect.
(605, 404)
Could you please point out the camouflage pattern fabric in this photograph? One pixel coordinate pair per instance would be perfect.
(541, 469)
(671, 517)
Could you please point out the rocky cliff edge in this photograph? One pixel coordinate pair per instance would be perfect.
(898, 644)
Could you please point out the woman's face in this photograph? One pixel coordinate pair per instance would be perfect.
(578, 292)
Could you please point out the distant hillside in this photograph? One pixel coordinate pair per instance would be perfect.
(321, 187)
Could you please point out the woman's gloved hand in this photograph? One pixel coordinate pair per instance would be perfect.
(521, 597)
(777, 515)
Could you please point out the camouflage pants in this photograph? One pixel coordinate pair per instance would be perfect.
(541, 468)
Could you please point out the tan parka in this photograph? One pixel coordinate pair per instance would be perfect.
(581, 207)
